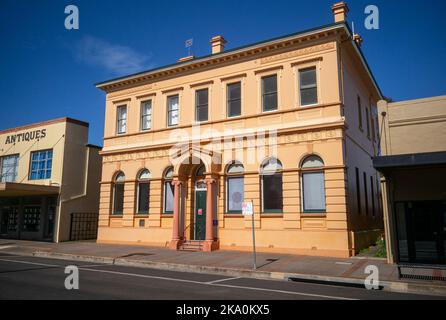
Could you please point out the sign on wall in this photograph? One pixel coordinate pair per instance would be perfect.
(26, 136)
(247, 208)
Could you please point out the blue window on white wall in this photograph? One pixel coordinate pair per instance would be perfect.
(41, 165)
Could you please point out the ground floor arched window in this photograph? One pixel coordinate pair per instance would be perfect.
(234, 188)
(271, 185)
(143, 192)
(168, 191)
(313, 185)
(118, 194)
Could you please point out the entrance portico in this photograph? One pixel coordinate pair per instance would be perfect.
(195, 202)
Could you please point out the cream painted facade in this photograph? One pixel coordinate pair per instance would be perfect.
(47, 171)
(413, 170)
(328, 129)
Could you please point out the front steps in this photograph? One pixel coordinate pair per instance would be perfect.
(192, 246)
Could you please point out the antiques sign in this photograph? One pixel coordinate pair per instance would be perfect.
(26, 136)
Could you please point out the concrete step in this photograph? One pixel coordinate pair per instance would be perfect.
(191, 245)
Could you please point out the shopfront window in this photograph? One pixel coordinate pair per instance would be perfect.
(31, 218)
(41, 164)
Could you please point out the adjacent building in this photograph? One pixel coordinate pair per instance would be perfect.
(288, 123)
(47, 172)
(413, 168)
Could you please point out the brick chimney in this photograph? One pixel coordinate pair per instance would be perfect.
(218, 44)
(340, 11)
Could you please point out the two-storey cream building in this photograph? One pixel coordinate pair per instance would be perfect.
(288, 123)
(48, 172)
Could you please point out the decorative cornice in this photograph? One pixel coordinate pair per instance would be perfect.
(298, 53)
(224, 57)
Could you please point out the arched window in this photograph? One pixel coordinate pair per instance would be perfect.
(200, 171)
(271, 186)
(143, 192)
(118, 194)
(313, 185)
(235, 186)
(168, 191)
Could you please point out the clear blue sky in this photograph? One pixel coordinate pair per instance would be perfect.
(48, 71)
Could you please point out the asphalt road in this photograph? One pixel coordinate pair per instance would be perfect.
(37, 278)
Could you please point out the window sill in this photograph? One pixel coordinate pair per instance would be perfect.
(272, 215)
(234, 117)
(234, 215)
(141, 215)
(200, 123)
(167, 215)
(270, 111)
(313, 215)
(309, 106)
(115, 215)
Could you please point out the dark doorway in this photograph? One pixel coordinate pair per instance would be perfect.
(421, 228)
(200, 215)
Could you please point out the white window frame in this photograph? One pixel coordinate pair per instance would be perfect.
(168, 111)
(142, 115)
(118, 119)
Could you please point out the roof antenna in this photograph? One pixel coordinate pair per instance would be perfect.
(188, 44)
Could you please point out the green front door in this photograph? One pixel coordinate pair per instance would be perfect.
(200, 215)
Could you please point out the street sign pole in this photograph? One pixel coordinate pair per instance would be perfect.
(248, 210)
(253, 239)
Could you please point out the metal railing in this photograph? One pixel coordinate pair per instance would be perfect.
(419, 272)
(84, 226)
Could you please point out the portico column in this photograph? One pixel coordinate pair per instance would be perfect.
(209, 210)
(174, 244)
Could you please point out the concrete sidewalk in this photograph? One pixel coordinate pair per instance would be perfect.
(334, 271)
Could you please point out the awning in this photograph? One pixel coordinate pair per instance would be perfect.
(409, 160)
(10, 189)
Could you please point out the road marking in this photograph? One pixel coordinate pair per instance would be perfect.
(287, 292)
(221, 280)
(220, 285)
(189, 281)
(31, 263)
(142, 276)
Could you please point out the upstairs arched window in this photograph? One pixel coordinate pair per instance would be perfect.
(168, 191)
(271, 186)
(313, 185)
(118, 194)
(235, 186)
(143, 192)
